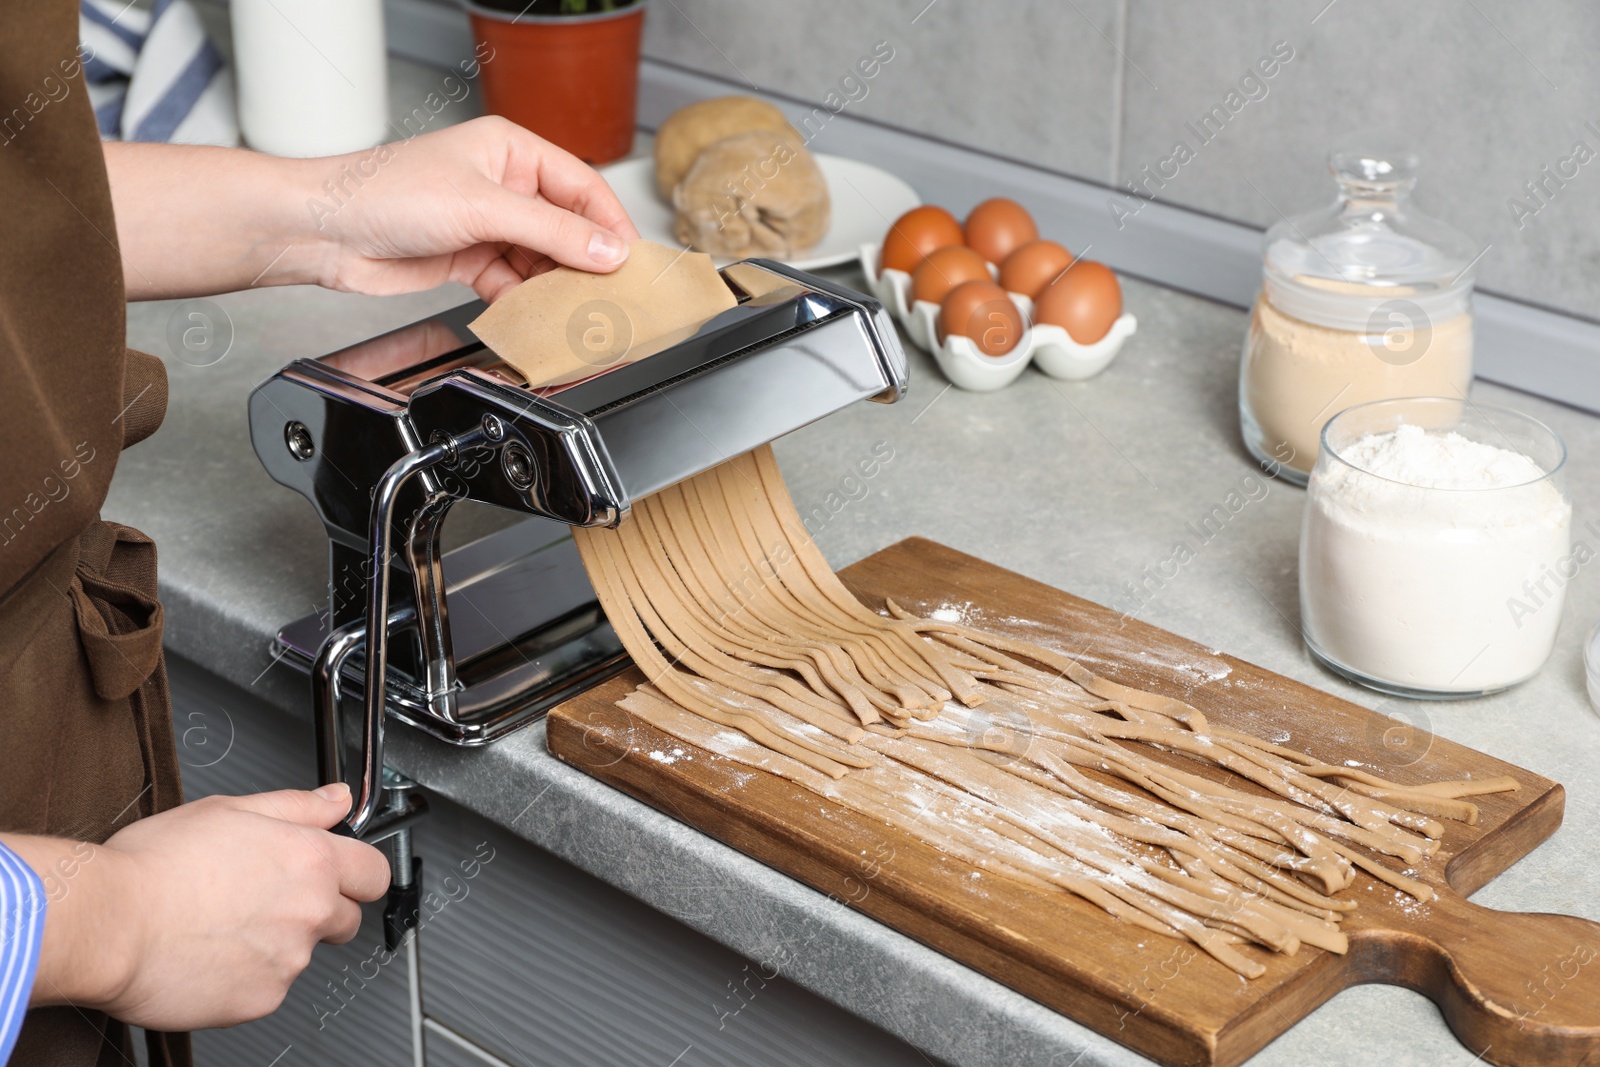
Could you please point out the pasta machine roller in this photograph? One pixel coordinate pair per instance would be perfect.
(385, 436)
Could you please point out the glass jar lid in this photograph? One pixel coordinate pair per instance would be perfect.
(1370, 253)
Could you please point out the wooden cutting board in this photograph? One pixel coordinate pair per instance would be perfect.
(1517, 988)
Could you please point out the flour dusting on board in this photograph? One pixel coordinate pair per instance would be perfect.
(961, 613)
(1109, 646)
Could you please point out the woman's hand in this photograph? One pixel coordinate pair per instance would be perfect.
(485, 203)
(202, 915)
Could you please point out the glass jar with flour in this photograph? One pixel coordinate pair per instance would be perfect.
(1436, 546)
(1364, 300)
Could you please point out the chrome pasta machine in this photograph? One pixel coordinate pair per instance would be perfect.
(384, 437)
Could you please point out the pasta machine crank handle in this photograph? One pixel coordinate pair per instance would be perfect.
(366, 821)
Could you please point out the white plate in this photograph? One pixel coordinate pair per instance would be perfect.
(865, 201)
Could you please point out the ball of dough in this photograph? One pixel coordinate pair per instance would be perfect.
(689, 129)
(753, 194)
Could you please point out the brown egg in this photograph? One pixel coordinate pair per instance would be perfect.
(916, 233)
(1033, 266)
(945, 268)
(998, 227)
(1084, 301)
(981, 311)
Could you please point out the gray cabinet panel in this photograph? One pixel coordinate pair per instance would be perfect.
(544, 965)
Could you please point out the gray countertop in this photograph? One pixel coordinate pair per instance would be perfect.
(1080, 485)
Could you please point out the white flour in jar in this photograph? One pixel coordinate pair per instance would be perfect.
(1411, 558)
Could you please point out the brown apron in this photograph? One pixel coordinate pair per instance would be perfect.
(86, 742)
(88, 738)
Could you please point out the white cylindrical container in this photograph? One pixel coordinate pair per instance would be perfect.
(1436, 547)
(313, 75)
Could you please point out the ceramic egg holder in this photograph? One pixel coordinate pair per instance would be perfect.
(1056, 353)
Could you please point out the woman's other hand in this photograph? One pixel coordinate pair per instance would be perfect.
(202, 915)
(485, 203)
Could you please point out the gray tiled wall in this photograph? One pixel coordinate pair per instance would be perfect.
(1488, 91)
(1026, 78)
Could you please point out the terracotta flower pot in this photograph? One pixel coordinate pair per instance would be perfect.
(571, 79)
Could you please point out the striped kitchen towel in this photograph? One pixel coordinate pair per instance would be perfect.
(154, 74)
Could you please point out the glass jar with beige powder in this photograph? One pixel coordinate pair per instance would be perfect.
(1367, 299)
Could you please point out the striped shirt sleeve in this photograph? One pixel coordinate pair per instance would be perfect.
(22, 909)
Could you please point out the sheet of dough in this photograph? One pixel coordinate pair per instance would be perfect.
(566, 325)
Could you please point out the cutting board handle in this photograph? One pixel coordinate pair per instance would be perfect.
(1516, 987)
